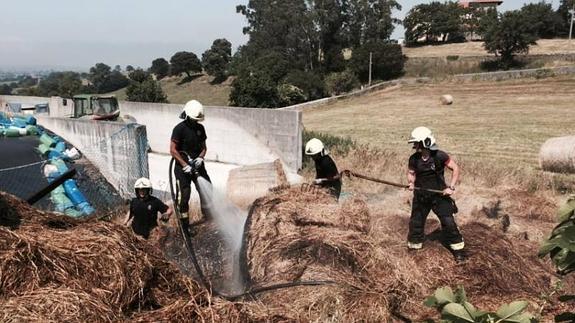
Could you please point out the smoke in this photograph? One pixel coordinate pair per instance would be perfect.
(230, 221)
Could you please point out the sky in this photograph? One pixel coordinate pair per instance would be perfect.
(76, 34)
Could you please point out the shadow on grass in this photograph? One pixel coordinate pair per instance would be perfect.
(189, 78)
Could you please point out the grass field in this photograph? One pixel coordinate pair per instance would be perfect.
(499, 123)
(199, 89)
(544, 46)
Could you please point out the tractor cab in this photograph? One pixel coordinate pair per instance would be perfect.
(96, 107)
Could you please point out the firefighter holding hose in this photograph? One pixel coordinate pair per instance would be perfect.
(144, 209)
(188, 147)
(327, 175)
(426, 170)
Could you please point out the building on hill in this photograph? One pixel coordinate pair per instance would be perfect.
(482, 4)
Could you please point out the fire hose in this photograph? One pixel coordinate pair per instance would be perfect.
(349, 173)
(207, 284)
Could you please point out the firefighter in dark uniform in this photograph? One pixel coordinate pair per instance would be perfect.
(144, 209)
(188, 147)
(327, 175)
(426, 170)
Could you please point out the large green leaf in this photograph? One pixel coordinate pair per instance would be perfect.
(460, 296)
(430, 301)
(444, 295)
(567, 209)
(456, 313)
(507, 311)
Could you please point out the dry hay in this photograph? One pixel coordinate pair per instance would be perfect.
(293, 235)
(558, 155)
(119, 273)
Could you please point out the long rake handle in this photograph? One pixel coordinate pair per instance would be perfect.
(381, 181)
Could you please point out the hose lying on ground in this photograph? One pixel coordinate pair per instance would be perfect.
(197, 267)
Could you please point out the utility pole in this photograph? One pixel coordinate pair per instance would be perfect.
(370, 62)
(572, 12)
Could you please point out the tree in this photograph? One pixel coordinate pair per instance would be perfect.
(216, 60)
(254, 90)
(434, 22)
(370, 20)
(310, 83)
(64, 84)
(160, 67)
(542, 18)
(5, 89)
(387, 61)
(185, 62)
(129, 68)
(118, 68)
(105, 80)
(143, 88)
(564, 17)
(512, 34)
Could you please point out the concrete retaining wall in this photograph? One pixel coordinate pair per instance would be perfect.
(25, 100)
(118, 150)
(516, 74)
(235, 135)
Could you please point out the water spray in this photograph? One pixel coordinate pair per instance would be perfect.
(190, 248)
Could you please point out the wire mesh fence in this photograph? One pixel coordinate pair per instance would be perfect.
(106, 169)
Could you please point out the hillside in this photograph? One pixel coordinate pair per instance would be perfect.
(501, 123)
(199, 89)
(543, 47)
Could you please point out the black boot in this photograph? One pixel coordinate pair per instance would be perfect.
(185, 223)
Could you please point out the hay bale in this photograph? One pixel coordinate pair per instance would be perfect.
(446, 99)
(104, 260)
(558, 155)
(56, 305)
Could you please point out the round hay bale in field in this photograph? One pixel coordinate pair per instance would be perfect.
(446, 99)
(558, 155)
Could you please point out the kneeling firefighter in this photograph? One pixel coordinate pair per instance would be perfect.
(426, 170)
(144, 209)
(188, 147)
(327, 175)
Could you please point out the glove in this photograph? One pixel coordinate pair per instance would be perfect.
(198, 162)
(319, 181)
(187, 169)
(165, 217)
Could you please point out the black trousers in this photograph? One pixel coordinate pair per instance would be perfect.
(443, 207)
(184, 182)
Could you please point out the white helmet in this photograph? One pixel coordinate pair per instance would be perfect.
(314, 146)
(193, 110)
(143, 183)
(425, 136)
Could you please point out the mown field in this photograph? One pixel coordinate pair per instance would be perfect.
(501, 122)
(544, 46)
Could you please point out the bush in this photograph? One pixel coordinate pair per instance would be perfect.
(254, 90)
(310, 83)
(337, 83)
(290, 95)
(388, 61)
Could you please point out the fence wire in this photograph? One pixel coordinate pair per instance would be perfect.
(106, 170)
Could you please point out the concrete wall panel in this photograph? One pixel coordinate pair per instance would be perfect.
(235, 135)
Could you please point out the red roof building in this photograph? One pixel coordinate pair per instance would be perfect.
(486, 4)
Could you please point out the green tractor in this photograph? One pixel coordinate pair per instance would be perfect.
(96, 107)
